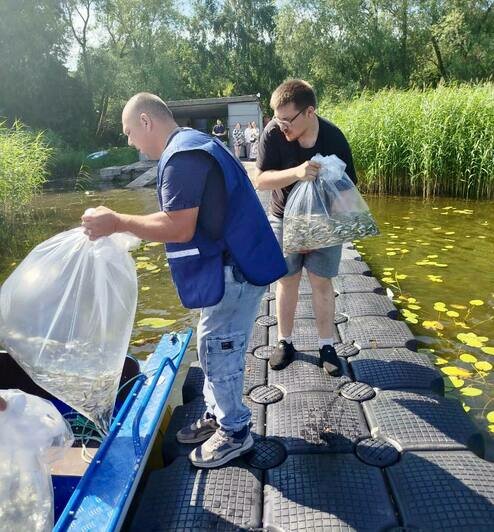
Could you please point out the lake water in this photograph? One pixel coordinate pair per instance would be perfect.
(435, 256)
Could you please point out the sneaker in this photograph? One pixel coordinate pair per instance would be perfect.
(199, 431)
(329, 360)
(222, 447)
(282, 355)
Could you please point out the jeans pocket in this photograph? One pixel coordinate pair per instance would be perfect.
(225, 356)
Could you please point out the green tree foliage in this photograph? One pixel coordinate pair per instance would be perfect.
(34, 83)
(346, 46)
(208, 48)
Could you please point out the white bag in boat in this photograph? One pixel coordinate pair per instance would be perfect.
(32, 435)
(66, 316)
(327, 211)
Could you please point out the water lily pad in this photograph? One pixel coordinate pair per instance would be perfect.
(490, 416)
(145, 288)
(440, 306)
(456, 381)
(471, 392)
(433, 325)
(488, 350)
(440, 361)
(469, 359)
(483, 365)
(476, 302)
(452, 314)
(155, 323)
(454, 371)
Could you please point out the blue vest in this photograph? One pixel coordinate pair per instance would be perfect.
(197, 265)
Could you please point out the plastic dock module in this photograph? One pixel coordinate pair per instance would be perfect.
(316, 422)
(304, 335)
(373, 332)
(420, 420)
(349, 266)
(444, 491)
(357, 305)
(352, 284)
(259, 337)
(182, 498)
(304, 374)
(396, 368)
(378, 448)
(326, 492)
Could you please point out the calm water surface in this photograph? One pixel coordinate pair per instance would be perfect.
(435, 256)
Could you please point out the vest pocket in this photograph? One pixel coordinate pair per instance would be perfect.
(225, 356)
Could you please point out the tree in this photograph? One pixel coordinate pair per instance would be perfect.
(34, 84)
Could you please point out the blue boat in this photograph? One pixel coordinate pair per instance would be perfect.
(99, 498)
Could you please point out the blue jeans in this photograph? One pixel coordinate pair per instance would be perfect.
(223, 335)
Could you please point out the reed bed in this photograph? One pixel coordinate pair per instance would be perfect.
(422, 142)
(24, 158)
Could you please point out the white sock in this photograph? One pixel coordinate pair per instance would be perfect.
(288, 339)
(325, 341)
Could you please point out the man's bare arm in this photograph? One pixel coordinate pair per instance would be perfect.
(173, 226)
(274, 179)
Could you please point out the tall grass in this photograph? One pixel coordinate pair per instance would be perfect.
(437, 141)
(23, 167)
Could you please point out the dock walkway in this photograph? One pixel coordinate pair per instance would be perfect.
(378, 448)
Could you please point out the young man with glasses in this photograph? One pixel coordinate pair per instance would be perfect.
(287, 144)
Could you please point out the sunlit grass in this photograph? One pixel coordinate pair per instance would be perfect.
(433, 142)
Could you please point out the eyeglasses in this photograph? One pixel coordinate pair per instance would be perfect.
(287, 122)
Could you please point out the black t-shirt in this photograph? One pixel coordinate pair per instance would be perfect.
(276, 153)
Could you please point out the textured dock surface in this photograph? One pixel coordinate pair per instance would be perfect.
(375, 449)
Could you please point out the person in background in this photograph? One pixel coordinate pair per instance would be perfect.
(219, 131)
(221, 251)
(254, 141)
(3, 404)
(247, 137)
(287, 144)
(238, 139)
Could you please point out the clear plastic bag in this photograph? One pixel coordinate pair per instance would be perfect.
(327, 211)
(32, 435)
(66, 316)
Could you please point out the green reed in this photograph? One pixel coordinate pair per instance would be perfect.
(23, 167)
(422, 142)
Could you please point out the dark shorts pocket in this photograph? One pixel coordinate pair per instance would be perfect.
(225, 356)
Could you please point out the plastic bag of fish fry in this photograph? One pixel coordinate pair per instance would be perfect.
(327, 211)
(33, 434)
(66, 316)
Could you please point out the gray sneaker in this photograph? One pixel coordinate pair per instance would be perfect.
(199, 431)
(222, 447)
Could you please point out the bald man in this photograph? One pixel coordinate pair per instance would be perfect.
(221, 251)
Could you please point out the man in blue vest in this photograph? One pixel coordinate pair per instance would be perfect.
(222, 253)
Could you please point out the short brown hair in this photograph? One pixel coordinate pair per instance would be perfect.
(296, 91)
(145, 102)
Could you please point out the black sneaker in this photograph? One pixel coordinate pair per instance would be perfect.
(282, 355)
(329, 360)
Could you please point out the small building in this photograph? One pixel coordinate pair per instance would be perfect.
(202, 113)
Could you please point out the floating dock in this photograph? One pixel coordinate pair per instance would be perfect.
(379, 448)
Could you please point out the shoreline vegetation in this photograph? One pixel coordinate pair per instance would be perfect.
(433, 142)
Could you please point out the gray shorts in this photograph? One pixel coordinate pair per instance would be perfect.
(323, 262)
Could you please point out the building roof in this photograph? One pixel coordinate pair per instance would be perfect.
(207, 107)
